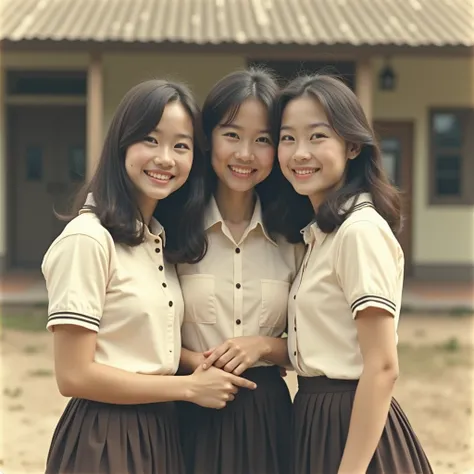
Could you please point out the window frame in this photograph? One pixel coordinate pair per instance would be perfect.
(466, 118)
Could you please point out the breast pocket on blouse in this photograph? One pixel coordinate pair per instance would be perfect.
(199, 298)
(274, 303)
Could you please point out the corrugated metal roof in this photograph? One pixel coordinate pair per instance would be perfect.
(305, 22)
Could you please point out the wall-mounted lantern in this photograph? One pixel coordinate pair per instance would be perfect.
(387, 77)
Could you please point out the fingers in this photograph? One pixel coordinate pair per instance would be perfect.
(216, 354)
(283, 372)
(243, 383)
(209, 352)
(227, 397)
(232, 353)
(232, 365)
(240, 369)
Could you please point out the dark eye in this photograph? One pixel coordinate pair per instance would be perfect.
(264, 140)
(150, 139)
(316, 136)
(182, 146)
(231, 135)
(286, 138)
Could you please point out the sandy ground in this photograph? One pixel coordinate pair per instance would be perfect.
(435, 389)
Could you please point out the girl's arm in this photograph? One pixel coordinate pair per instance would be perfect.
(376, 335)
(79, 376)
(190, 360)
(240, 353)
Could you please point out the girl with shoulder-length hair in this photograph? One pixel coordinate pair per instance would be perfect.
(115, 305)
(236, 297)
(344, 305)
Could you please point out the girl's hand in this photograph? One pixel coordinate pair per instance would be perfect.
(236, 355)
(214, 388)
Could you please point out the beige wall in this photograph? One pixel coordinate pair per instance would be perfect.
(441, 234)
(123, 71)
(3, 169)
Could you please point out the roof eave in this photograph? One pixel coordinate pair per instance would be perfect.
(255, 50)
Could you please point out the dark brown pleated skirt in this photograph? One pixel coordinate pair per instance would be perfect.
(251, 435)
(322, 411)
(101, 438)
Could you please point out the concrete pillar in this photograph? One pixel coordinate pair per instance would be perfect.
(3, 167)
(95, 112)
(364, 85)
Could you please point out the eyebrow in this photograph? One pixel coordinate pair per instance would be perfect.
(311, 125)
(239, 127)
(178, 135)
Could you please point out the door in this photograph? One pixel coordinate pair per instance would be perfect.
(396, 142)
(46, 168)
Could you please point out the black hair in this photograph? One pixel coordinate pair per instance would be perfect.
(364, 174)
(114, 194)
(222, 106)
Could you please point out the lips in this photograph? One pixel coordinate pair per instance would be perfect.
(242, 171)
(159, 175)
(305, 173)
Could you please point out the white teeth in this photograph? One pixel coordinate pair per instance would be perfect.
(302, 172)
(161, 177)
(240, 170)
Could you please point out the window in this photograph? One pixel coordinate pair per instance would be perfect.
(451, 156)
(47, 83)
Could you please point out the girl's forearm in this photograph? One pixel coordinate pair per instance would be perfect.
(107, 384)
(369, 415)
(189, 361)
(276, 351)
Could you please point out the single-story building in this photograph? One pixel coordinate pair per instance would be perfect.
(65, 64)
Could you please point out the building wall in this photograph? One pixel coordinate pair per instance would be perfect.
(3, 196)
(422, 82)
(442, 235)
(200, 72)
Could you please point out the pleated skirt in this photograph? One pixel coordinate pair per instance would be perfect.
(101, 438)
(322, 411)
(251, 435)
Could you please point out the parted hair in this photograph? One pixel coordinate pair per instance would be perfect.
(114, 194)
(363, 174)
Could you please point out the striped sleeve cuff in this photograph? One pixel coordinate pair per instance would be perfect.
(77, 319)
(373, 301)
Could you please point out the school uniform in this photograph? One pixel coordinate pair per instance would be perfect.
(131, 298)
(358, 266)
(240, 288)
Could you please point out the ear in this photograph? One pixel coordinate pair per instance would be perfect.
(353, 151)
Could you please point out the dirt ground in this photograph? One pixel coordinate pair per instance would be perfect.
(435, 389)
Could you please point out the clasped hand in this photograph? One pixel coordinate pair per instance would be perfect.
(236, 355)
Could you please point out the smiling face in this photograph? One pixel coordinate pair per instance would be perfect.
(312, 156)
(160, 163)
(242, 151)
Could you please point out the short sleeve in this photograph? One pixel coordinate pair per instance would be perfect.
(369, 266)
(76, 273)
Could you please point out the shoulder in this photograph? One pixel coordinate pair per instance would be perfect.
(366, 219)
(84, 229)
(365, 227)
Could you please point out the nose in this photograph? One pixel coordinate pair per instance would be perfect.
(302, 154)
(164, 160)
(245, 153)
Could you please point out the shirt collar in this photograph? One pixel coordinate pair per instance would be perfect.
(360, 200)
(155, 229)
(312, 233)
(214, 216)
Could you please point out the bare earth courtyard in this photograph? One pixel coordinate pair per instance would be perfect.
(436, 389)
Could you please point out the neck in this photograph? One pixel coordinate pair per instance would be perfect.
(235, 207)
(316, 201)
(147, 208)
